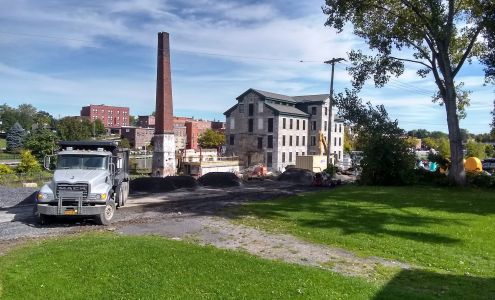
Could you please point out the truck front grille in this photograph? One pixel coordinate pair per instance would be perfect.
(72, 190)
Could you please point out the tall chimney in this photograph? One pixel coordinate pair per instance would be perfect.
(164, 108)
(164, 139)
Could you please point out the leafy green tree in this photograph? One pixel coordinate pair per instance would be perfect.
(489, 151)
(349, 140)
(439, 36)
(74, 129)
(41, 142)
(15, 138)
(211, 139)
(387, 159)
(8, 116)
(419, 133)
(28, 163)
(99, 128)
(475, 149)
(42, 119)
(132, 121)
(124, 143)
(493, 121)
(443, 147)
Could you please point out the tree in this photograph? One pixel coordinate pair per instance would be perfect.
(42, 119)
(387, 158)
(349, 140)
(493, 121)
(15, 138)
(132, 121)
(211, 139)
(489, 151)
(74, 129)
(124, 143)
(99, 128)
(28, 163)
(475, 149)
(440, 36)
(41, 142)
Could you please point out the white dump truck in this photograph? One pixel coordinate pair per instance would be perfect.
(91, 179)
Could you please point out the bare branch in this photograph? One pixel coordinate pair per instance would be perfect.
(413, 61)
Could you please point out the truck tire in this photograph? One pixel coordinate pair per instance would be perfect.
(105, 218)
(44, 219)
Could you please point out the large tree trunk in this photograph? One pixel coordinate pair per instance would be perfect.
(456, 171)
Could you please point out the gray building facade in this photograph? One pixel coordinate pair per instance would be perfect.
(273, 129)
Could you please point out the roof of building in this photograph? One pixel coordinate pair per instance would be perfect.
(227, 113)
(275, 96)
(286, 110)
(311, 98)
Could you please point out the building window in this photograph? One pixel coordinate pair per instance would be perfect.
(290, 140)
(304, 124)
(250, 125)
(339, 154)
(335, 127)
(290, 123)
(232, 139)
(251, 109)
(340, 141)
(326, 125)
(313, 140)
(297, 140)
(297, 124)
(304, 141)
(283, 123)
(340, 127)
(232, 123)
(304, 153)
(270, 142)
(313, 110)
(335, 141)
(241, 108)
(270, 124)
(260, 107)
(290, 156)
(297, 154)
(313, 125)
(269, 159)
(260, 123)
(260, 143)
(326, 111)
(283, 157)
(283, 140)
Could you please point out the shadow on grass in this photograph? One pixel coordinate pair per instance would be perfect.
(380, 212)
(417, 284)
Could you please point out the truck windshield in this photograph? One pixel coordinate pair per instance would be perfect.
(93, 162)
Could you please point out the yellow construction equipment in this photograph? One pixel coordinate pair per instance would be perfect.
(323, 143)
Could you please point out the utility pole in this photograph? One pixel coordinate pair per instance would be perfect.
(331, 62)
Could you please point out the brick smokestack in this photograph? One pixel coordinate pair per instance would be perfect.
(164, 120)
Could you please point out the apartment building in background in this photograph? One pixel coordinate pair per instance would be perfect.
(110, 116)
(273, 129)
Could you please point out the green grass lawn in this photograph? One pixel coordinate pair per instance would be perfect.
(448, 230)
(3, 143)
(107, 266)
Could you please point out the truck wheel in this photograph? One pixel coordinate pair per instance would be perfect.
(105, 218)
(44, 219)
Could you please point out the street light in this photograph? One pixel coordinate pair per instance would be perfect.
(331, 62)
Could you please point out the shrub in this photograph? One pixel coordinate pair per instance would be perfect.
(28, 163)
(4, 169)
(481, 180)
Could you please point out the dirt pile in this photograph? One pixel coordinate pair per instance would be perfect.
(220, 179)
(161, 185)
(299, 176)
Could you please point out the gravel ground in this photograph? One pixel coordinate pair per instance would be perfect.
(10, 197)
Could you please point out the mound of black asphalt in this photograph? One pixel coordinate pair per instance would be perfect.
(220, 179)
(161, 185)
(299, 176)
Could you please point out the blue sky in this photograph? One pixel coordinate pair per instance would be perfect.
(60, 55)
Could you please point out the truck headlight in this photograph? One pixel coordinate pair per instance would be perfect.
(101, 196)
(42, 196)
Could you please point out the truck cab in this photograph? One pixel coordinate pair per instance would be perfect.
(91, 179)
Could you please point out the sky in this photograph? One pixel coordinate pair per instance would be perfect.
(60, 55)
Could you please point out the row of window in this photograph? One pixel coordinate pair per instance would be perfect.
(270, 141)
(296, 154)
(110, 112)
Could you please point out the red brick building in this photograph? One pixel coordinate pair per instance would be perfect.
(110, 116)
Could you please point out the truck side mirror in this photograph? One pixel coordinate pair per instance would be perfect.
(47, 162)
